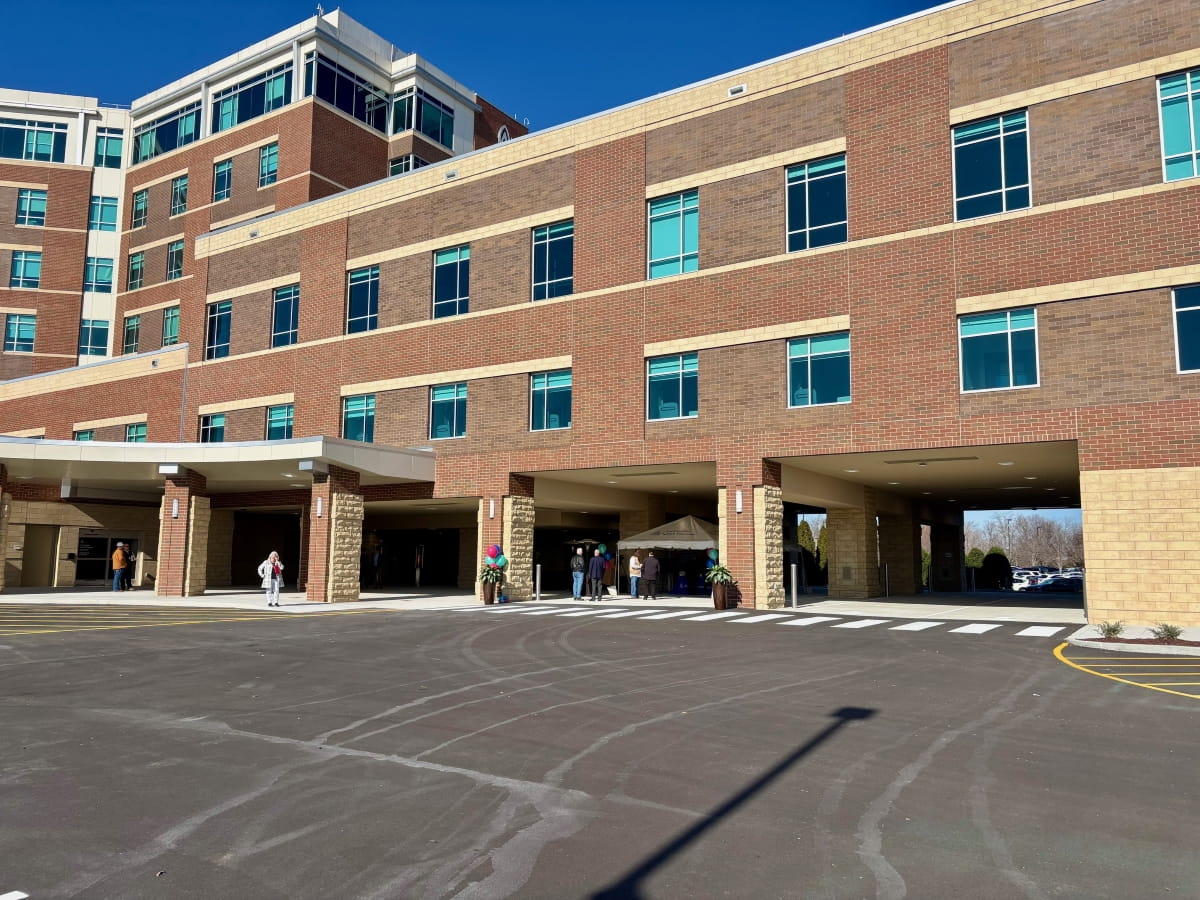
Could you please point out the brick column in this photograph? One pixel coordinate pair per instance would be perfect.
(5, 511)
(946, 557)
(506, 518)
(853, 541)
(183, 536)
(900, 551)
(334, 536)
(751, 542)
(635, 521)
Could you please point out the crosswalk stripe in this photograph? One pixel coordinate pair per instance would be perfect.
(814, 620)
(711, 616)
(861, 623)
(754, 620)
(545, 612)
(974, 628)
(1040, 631)
(496, 610)
(915, 626)
(672, 615)
(586, 612)
(627, 613)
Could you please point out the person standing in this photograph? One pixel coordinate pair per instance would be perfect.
(595, 574)
(578, 565)
(635, 574)
(120, 559)
(127, 572)
(650, 570)
(270, 570)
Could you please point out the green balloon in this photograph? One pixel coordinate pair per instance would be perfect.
(602, 548)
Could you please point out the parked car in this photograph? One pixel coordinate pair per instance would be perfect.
(1057, 586)
(1024, 582)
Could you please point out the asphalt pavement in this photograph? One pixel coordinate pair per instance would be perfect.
(479, 754)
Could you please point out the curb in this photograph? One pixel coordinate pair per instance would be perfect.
(1163, 649)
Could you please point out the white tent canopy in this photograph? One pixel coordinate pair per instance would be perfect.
(688, 533)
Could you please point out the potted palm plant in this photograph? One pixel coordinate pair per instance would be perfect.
(720, 578)
(490, 576)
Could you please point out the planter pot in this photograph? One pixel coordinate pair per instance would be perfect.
(720, 596)
(489, 592)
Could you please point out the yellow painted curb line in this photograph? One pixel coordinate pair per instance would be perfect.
(9, 633)
(1058, 651)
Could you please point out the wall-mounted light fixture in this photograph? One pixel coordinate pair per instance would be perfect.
(737, 501)
(491, 509)
(174, 507)
(320, 506)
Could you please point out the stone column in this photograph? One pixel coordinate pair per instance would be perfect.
(183, 536)
(900, 551)
(518, 547)
(853, 541)
(751, 541)
(946, 557)
(334, 536)
(651, 515)
(5, 511)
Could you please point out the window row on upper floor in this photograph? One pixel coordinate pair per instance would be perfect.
(33, 140)
(33, 202)
(222, 186)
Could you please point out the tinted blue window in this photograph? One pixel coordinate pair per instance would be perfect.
(998, 349)
(448, 411)
(991, 166)
(550, 400)
(1179, 101)
(816, 196)
(1187, 327)
(819, 370)
(175, 129)
(220, 320)
(451, 281)
(358, 418)
(285, 316)
(672, 387)
(553, 260)
(362, 300)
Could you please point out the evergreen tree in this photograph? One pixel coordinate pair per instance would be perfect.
(975, 558)
(823, 547)
(804, 536)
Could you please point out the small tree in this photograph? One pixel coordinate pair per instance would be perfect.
(975, 558)
(926, 562)
(823, 547)
(996, 572)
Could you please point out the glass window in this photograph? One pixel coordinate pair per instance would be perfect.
(285, 316)
(553, 260)
(212, 428)
(819, 370)
(19, 333)
(102, 215)
(342, 89)
(279, 422)
(406, 163)
(448, 410)
(451, 281)
(413, 108)
(136, 271)
(222, 180)
(999, 349)
(251, 98)
(268, 164)
(135, 433)
(358, 418)
(98, 275)
(174, 260)
(132, 334)
(141, 206)
(170, 326)
(28, 139)
(1187, 328)
(674, 234)
(31, 207)
(1179, 102)
(26, 269)
(550, 400)
(991, 166)
(362, 300)
(110, 146)
(87, 434)
(672, 390)
(176, 129)
(93, 337)
(220, 318)
(816, 204)
(179, 195)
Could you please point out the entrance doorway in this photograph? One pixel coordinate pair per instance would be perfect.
(255, 535)
(94, 557)
(39, 556)
(410, 557)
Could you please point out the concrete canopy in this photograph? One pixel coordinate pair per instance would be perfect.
(103, 469)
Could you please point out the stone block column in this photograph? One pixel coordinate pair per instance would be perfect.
(334, 536)
(751, 541)
(5, 511)
(183, 536)
(507, 520)
(900, 551)
(853, 541)
(946, 557)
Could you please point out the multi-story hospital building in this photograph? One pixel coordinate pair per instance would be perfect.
(321, 297)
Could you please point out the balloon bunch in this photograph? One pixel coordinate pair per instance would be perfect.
(495, 557)
(712, 559)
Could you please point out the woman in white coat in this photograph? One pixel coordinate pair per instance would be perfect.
(270, 570)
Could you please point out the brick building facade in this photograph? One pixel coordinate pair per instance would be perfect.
(947, 263)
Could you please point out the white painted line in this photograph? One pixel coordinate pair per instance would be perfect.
(754, 620)
(1040, 631)
(710, 616)
(815, 620)
(506, 608)
(916, 626)
(585, 612)
(14, 895)
(546, 612)
(861, 623)
(976, 628)
(632, 612)
(672, 615)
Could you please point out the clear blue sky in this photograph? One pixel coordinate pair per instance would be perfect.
(550, 62)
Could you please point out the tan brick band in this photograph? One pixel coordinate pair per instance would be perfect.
(113, 420)
(1074, 290)
(748, 336)
(749, 167)
(98, 373)
(245, 403)
(254, 287)
(473, 374)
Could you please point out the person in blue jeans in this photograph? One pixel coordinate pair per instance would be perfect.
(577, 567)
(120, 559)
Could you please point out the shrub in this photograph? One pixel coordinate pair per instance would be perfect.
(1165, 632)
(1110, 629)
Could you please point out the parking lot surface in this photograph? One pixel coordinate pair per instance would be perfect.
(473, 754)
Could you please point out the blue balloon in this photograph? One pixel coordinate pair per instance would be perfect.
(608, 556)
(502, 560)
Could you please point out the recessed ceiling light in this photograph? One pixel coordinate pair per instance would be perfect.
(893, 482)
(922, 464)
(951, 500)
(288, 474)
(611, 482)
(849, 470)
(673, 491)
(1031, 478)
(1004, 464)
(926, 493)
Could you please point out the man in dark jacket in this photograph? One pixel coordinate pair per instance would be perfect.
(578, 567)
(595, 573)
(650, 577)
